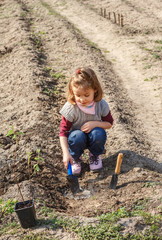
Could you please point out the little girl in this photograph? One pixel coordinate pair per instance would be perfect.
(85, 116)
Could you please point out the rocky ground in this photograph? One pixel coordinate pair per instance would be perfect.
(42, 43)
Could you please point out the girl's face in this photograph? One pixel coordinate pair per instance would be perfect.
(82, 95)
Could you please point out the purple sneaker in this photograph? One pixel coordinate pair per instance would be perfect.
(76, 167)
(95, 162)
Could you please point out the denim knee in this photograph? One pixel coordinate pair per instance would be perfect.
(76, 137)
(97, 139)
(77, 141)
(98, 135)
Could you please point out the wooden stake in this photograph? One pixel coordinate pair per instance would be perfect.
(104, 12)
(121, 20)
(109, 15)
(114, 17)
(101, 12)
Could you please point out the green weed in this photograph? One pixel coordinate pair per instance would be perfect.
(45, 211)
(6, 207)
(148, 49)
(147, 80)
(150, 79)
(92, 44)
(139, 207)
(155, 55)
(158, 41)
(106, 51)
(4, 228)
(153, 52)
(144, 59)
(148, 66)
(57, 75)
(36, 236)
(51, 91)
(159, 48)
(23, 15)
(93, 197)
(151, 184)
(37, 40)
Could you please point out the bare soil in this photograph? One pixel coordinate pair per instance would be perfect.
(42, 43)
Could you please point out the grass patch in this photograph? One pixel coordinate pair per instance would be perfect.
(151, 184)
(107, 226)
(37, 236)
(7, 227)
(154, 52)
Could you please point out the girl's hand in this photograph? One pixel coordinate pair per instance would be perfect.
(88, 126)
(66, 159)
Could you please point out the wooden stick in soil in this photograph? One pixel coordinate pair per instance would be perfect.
(121, 20)
(109, 15)
(101, 12)
(104, 12)
(114, 17)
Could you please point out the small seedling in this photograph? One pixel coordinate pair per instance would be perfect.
(38, 159)
(14, 133)
(35, 167)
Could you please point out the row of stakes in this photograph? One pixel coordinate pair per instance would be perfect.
(115, 16)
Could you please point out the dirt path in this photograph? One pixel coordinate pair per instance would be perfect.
(39, 50)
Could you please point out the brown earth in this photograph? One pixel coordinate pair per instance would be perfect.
(42, 43)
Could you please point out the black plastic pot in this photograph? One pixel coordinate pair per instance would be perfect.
(26, 213)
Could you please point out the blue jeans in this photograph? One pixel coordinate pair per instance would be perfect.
(78, 141)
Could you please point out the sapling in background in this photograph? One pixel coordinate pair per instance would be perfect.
(38, 159)
(35, 167)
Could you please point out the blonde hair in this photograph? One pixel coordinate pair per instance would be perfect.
(84, 77)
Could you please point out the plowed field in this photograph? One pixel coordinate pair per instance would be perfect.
(41, 44)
